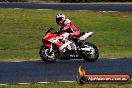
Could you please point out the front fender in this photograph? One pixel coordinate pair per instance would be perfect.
(47, 45)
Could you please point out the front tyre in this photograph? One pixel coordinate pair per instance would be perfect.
(91, 55)
(47, 56)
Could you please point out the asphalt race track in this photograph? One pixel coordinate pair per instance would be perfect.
(62, 6)
(39, 71)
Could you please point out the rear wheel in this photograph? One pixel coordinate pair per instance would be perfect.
(47, 56)
(91, 55)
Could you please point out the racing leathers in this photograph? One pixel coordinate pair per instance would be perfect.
(68, 27)
(68, 30)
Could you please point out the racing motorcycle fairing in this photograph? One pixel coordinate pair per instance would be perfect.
(60, 47)
(84, 36)
(68, 44)
(49, 38)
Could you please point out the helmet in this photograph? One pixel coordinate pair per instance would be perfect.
(60, 18)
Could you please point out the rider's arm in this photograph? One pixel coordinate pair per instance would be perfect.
(66, 28)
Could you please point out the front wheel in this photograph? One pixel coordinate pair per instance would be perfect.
(91, 55)
(47, 56)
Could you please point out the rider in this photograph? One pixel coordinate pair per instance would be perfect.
(67, 30)
(66, 26)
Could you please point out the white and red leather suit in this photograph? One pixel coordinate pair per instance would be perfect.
(69, 27)
(66, 27)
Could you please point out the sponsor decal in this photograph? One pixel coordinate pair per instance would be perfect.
(82, 78)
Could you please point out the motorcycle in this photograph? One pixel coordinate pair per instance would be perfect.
(50, 53)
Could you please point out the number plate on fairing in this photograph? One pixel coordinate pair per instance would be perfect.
(71, 54)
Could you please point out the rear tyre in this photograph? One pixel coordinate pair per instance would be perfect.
(93, 55)
(47, 56)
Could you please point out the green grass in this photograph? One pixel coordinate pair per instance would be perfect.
(69, 85)
(21, 31)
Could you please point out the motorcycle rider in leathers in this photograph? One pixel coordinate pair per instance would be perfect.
(66, 27)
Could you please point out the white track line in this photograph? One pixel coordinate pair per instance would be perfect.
(43, 82)
(101, 11)
(66, 81)
(114, 58)
(61, 60)
(23, 83)
(17, 61)
(109, 11)
(44, 9)
(3, 84)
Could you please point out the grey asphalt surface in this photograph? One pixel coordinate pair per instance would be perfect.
(62, 6)
(39, 71)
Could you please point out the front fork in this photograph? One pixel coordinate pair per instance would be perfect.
(51, 48)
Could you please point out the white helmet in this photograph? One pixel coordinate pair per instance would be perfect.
(60, 18)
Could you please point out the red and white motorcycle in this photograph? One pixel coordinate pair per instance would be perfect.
(49, 52)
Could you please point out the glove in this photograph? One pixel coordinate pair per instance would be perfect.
(72, 36)
(57, 32)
